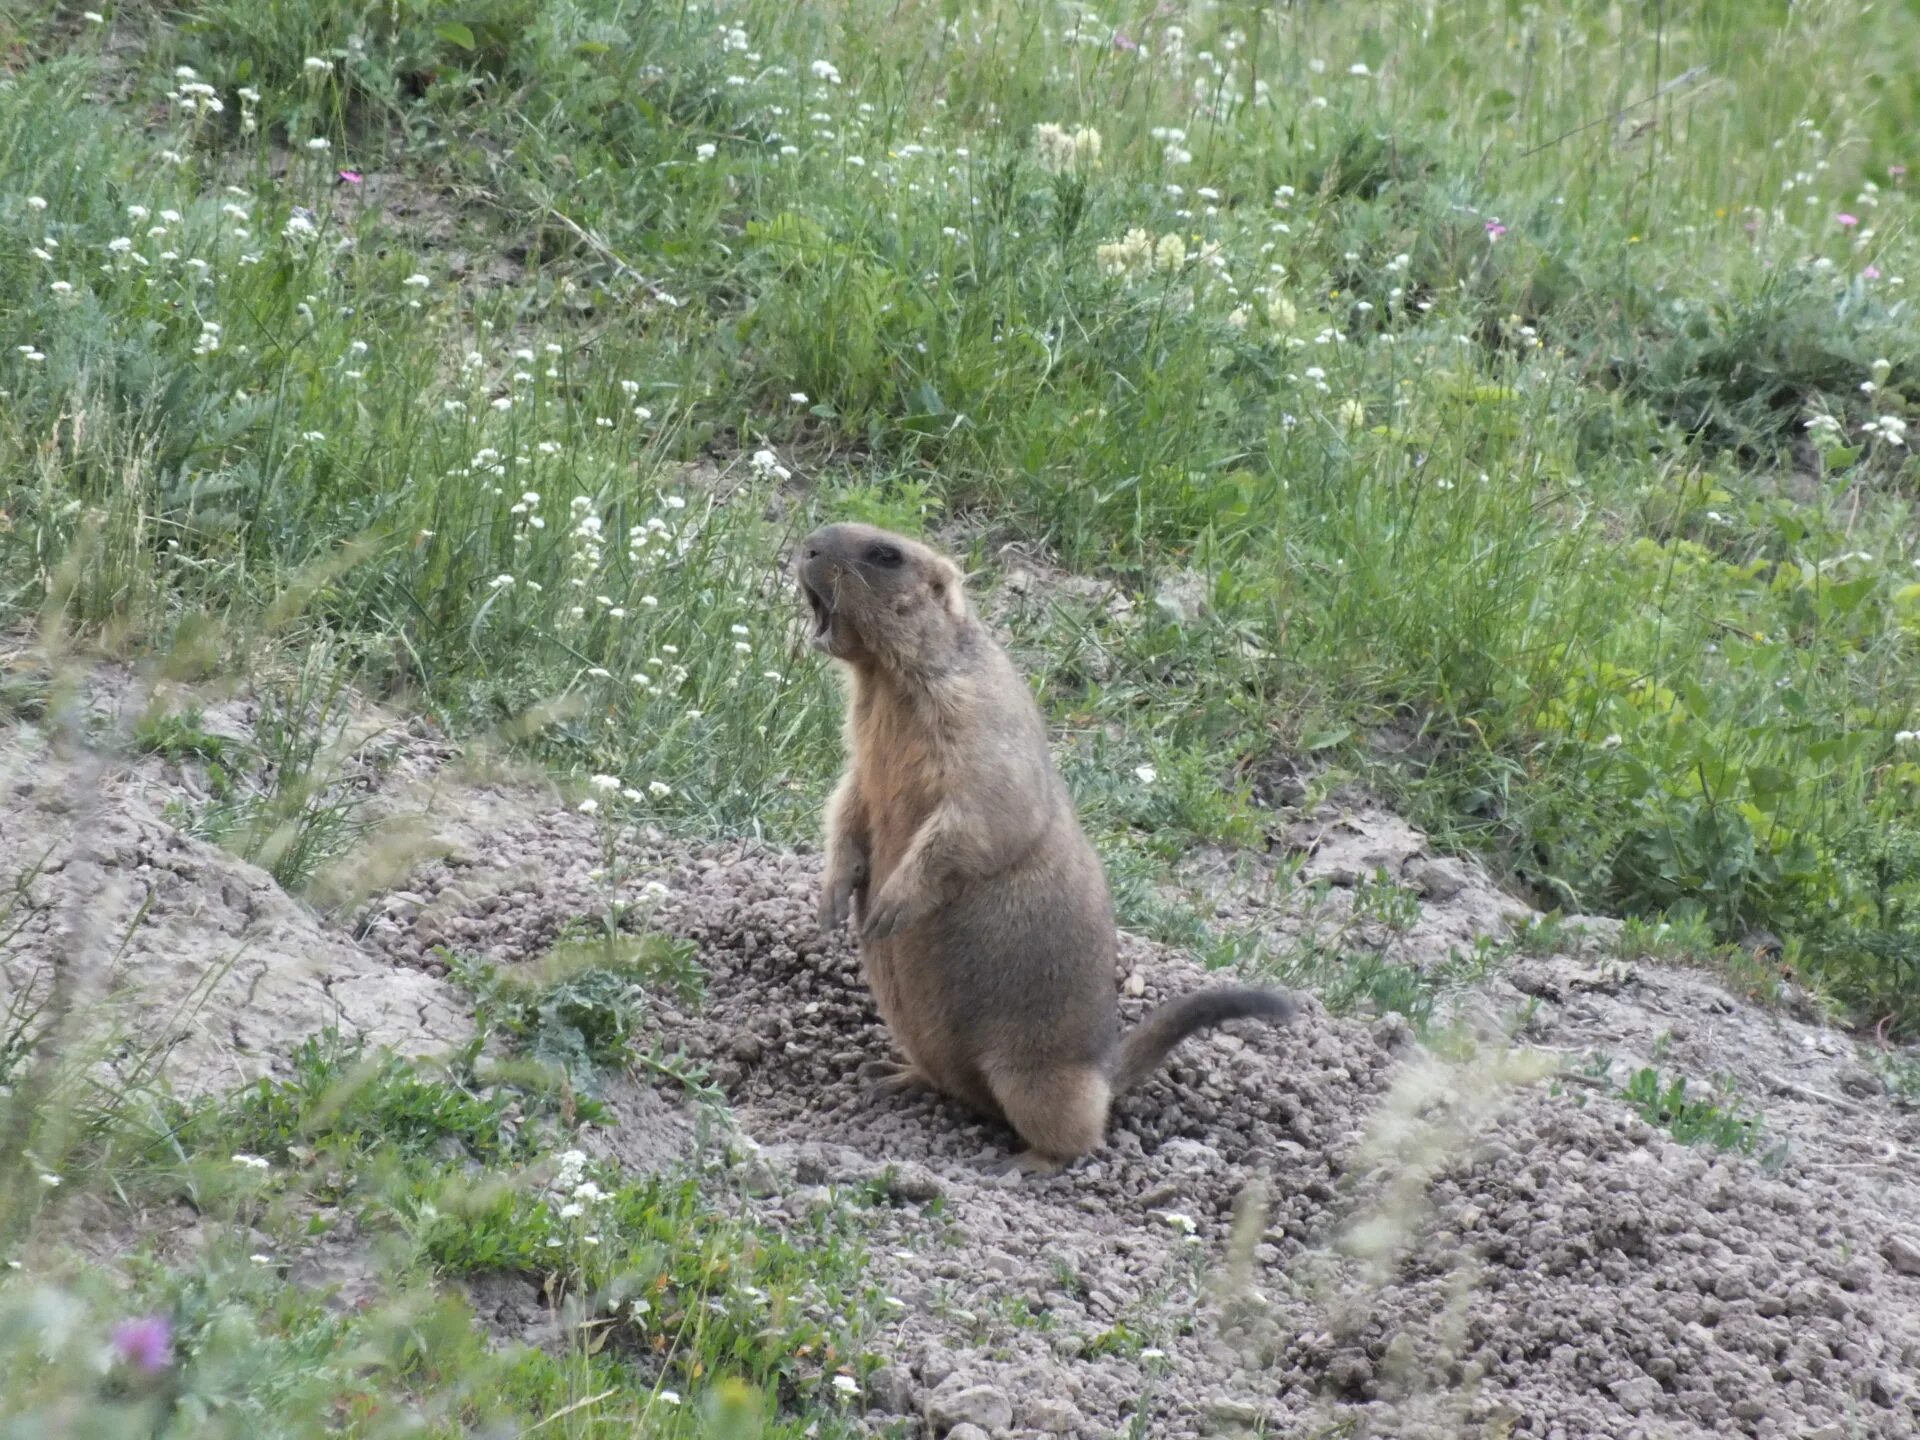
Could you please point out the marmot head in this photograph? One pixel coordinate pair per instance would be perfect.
(879, 598)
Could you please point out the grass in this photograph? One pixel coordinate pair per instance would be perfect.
(1720, 1120)
(1503, 409)
(576, 1010)
(667, 1287)
(1560, 435)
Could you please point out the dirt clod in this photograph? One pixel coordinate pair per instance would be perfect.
(960, 1401)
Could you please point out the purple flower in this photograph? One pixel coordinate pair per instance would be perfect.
(1124, 41)
(352, 177)
(1495, 229)
(1846, 221)
(1872, 272)
(145, 1344)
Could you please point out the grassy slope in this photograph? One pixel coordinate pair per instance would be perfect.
(1467, 359)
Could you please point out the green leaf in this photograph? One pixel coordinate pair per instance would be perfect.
(1846, 596)
(1693, 696)
(1326, 739)
(1770, 784)
(454, 33)
(1500, 104)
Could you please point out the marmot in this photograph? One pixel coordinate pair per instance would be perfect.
(986, 926)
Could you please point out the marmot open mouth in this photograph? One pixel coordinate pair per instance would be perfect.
(822, 613)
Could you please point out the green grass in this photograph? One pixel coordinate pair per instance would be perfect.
(577, 1008)
(1493, 434)
(1692, 1121)
(695, 1314)
(1722, 1120)
(1512, 402)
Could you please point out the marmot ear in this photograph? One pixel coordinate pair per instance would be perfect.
(949, 586)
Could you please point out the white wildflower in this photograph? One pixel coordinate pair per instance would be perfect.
(1130, 257)
(1889, 428)
(1061, 150)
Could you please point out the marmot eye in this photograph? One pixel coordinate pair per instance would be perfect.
(886, 555)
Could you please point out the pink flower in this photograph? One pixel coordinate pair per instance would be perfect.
(1872, 272)
(352, 177)
(1495, 229)
(1897, 172)
(145, 1344)
(1124, 41)
(1846, 221)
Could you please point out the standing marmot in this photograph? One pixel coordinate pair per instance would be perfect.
(986, 928)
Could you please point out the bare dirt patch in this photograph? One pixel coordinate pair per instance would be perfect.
(1317, 1229)
(169, 952)
(1442, 1248)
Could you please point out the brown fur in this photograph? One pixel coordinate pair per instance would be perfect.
(986, 927)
